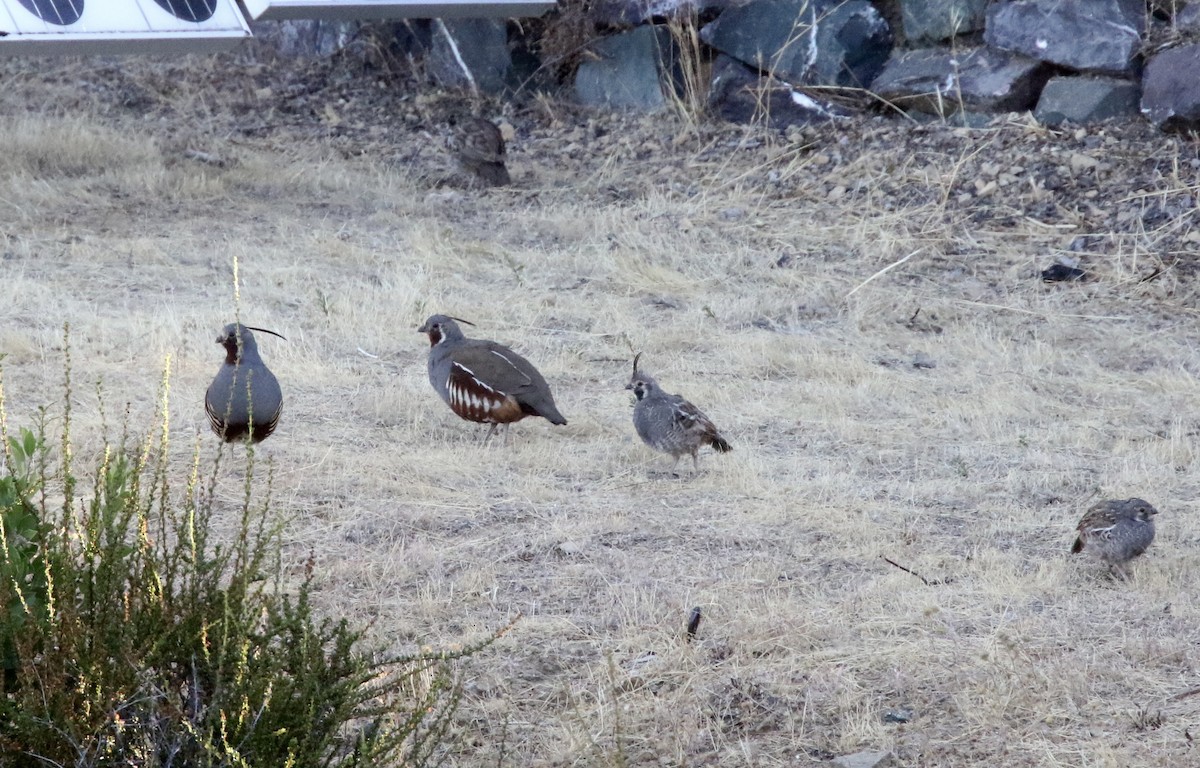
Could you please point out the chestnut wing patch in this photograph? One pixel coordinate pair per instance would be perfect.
(474, 399)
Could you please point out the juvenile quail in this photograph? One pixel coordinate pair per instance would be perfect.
(1116, 532)
(480, 149)
(483, 381)
(668, 423)
(244, 398)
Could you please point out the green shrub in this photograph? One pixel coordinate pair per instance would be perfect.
(129, 636)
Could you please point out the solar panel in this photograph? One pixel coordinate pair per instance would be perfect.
(119, 26)
(395, 9)
(178, 26)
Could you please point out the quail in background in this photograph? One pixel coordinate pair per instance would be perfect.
(1116, 532)
(483, 381)
(668, 423)
(244, 398)
(479, 146)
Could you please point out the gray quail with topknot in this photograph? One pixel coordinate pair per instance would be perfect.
(483, 381)
(244, 400)
(1116, 531)
(669, 423)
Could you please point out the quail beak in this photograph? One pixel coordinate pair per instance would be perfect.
(629, 385)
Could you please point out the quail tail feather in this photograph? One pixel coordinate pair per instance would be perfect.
(720, 444)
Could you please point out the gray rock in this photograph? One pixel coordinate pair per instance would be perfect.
(741, 95)
(305, 38)
(472, 53)
(1171, 89)
(865, 760)
(805, 42)
(979, 80)
(933, 20)
(630, 13)
(1088, 35)
(1086, 100)
(1188, 20)
(629, 70)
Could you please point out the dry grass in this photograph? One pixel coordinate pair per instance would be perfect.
(743, 278)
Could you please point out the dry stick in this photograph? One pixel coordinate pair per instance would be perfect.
(1185, 694)
(924, 580)
(886, 269)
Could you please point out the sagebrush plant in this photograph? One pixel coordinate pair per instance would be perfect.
(129, 635)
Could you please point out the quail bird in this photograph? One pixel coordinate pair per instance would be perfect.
(1116, 532)
(479, 146)
(483, 381)
(668, 423)
(244, 398)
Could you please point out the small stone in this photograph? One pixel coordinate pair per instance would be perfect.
(1060, 273)
(571, 547)
(985, 188)
(922, 360)
(1081, 163)
(865, 760)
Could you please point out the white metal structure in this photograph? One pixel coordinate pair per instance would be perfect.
(395, 9)
(32, 27)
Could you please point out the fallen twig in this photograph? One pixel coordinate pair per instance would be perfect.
(207, 158)
(1185, 694)
(883, 271)
(910, 571)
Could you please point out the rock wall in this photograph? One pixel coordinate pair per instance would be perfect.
(783, 61)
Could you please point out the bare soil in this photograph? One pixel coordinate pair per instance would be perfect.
(858, 306)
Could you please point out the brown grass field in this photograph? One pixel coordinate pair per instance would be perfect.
(784, 283)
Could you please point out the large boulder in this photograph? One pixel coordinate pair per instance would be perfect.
(934, 20)
(740, 94)
(305, 38)
(472, 53)
(1088, 35)
(629, 70)
(977, 80)
(1171, 89)
(1086, 100)
(630, 13)
(805, 42)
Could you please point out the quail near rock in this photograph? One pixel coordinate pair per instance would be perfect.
(479, 147)
(244, 399)
(1116, 532)
(669, 423)
(483, 381)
